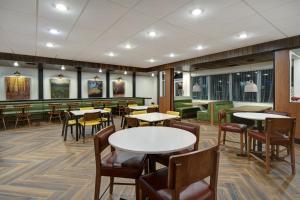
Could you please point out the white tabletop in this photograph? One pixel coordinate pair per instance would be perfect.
(152, 140)
(154, 117)
(82, 112)
(138, 107)
(257, 116)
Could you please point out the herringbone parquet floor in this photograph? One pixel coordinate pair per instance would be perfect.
(35, 163)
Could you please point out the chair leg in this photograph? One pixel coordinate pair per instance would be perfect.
(63, 129)
(137, 190)
(249, 146)
(292, 151)
(241, 143)
(219, 137)
(28, 120)
(97, 186)
(59, 118)
(50, 118)
(4, 125)
(224, 137)
(66, 133)
(267, 162)
(111, 185)
(16, 122)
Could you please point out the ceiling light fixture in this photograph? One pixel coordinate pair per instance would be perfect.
(53, 31)
(196, 11)
(172, 55)
(60, 7)
(243, 36)
(125, 72)
(49, 44)
(152, 74)
(63, 68)
(100, 70)
(111, 54)
(128, 46)
(16, 64)
(199, 47)
(152, 34)
(152, 60)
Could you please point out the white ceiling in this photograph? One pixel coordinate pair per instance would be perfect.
(89, 29)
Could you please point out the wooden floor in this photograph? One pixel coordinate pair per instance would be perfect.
(35, 163)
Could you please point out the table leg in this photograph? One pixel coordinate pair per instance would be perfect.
(77, 127)
(260, 128)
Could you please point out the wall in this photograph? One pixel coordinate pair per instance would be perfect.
(297, 78)
(48, 74)
(186, 79)
(29, 72)
(282, 84)
(146, 86)
(128, 84)
(85, 76)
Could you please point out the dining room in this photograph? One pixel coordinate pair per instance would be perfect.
(113, 99)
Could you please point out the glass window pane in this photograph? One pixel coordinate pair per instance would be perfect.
(199, 87)
(242, 81)
(267, 85)
(220, 87)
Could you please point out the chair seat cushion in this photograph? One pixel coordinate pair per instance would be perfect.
(122, 164)
(157, 183)
(144, 124)
(276, 138)
(71, 122)
(234, 127)
(90, 122)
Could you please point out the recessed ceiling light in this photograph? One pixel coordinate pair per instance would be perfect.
(125, 72)
(16, 64)
(49, 44)
(100, 70)
(63, 67)
(111, 54)
(60, 7)
(53, 31)
(152, 34)
(172, 55)
(128, 46)
(151, 60)
(152, 74)
(243, 36)
(199, 47)
(196, 11)
(178, 72)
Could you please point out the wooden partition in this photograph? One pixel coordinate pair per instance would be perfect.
(167, 102)
(282, 88)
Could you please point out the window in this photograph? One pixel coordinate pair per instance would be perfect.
(239, 81)
(267, 85)
(220, 87)
(199, 87)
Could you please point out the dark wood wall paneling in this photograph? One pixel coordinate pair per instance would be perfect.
(107, 75)
(79, 82)
(133, 84)
(41, 80)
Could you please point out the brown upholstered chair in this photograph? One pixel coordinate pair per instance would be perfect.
(125, 114)
(121, 108)
(278, 131)
(152, 109)
(225, 127)
(55, 111)
(164, 158)
(132, 122)
(115, 163)
(2, 118)
(184, 179)
(22, 113)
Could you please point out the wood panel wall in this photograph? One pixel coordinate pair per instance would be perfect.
(166, 102)
(282, 88)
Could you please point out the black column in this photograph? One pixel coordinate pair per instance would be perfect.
(107, 84)
(133, 84)
(79, 78)
(41, 81)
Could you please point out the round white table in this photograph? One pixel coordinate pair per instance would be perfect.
(138, 107)
(257, 116)
(152, 140)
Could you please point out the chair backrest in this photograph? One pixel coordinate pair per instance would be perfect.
(107, 109)
(91, 116)
(22, 109)
(127, 111)
(131, 102)
(281, 127)
(222, 116)
(87, 108)
(195, 129)
(277, 112)
(97, 104)
(132, 122)
(106, 103)
(173, 113)
(152, 109)
(186, 169)
(139, 112)
(2, 108)
(54, 106)
(101, 142)
(132, 105)
(72, 105)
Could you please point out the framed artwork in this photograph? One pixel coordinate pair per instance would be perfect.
(95, 88)
(118, 88)
(60, 88)
(17, 87)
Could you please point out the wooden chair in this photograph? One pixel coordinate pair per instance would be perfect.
(139, 112)
(22, 113)
(121, 108)
(106, 104)
(55, 111)
(72, 106)
(97, 104)
(132, 122)
(90, 119)
(184, 178)
(225, 127)
(108, 117)
(167, 122)
(2, 117)
(68, 122)
(86, 108)
(125, 114)
(115, 163)
(278, 131)
(164, 158)
(152, 109)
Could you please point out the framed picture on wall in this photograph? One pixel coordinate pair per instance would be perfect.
(118, 88)
(60, 88)
(17, 87)
(95, 88)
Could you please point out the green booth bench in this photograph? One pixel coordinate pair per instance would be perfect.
(39, 108)
(211, 114)
(184, 110)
